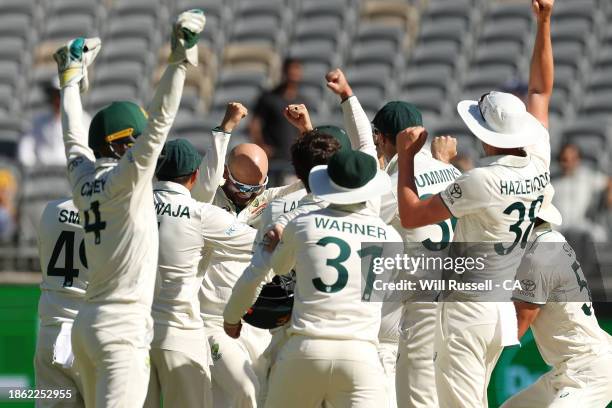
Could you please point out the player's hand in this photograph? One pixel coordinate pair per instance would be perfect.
(185, 35)
(298, 116)
(232, 330)
(234, 113)
(411, 140)
(542, 8)
(273, 237)
(444, 148)
(336, 81)
(74, 58)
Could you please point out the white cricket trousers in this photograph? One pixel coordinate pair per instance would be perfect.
(585, 384)
(387, 353)
(342, 373)
(415, 373)
(52, 376)
(179, 379)
(467, 347)
(238, 368)
(114, 372)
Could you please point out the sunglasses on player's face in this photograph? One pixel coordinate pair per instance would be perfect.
(246, 188)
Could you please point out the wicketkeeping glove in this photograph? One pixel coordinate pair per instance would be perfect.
(74, 58)
(185, 35)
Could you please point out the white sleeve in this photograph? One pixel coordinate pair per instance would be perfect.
(221, 230)
(211, 169)
(81, 159)
(358, 126)
(138, 164)
(467, 194)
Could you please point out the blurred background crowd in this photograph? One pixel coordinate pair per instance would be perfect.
(270, 53)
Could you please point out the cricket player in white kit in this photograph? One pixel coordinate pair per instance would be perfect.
(63, 264)
(333, 334)
(409, 364)
(180, 355)
(497, 203)
(555, 301)
(111, 182)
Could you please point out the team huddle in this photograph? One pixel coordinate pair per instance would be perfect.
(180, 279)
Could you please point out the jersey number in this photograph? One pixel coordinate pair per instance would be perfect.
(446, 227)
(66, 240)
(97, 225)
(336, 263)
(520, 235)
(582, 284)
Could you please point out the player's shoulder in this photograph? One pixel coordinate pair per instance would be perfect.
(547, 249)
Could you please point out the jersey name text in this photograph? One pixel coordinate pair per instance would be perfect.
(69, 217)
(436, 177)
(166, 209)
(351, 227)
(96, 186)
(520, 187)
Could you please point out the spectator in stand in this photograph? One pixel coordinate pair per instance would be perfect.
(8, 190)
(601, 214)
(269, 129)
(576, 188)
(43, 145)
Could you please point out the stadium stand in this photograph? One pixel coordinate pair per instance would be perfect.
(430, 52)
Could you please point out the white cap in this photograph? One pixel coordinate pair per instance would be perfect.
(501, 119)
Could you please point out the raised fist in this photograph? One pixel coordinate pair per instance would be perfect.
(298, 116)
(411, 140)
(336, 81)
(444, 148)
(234, 113)
(542, 8)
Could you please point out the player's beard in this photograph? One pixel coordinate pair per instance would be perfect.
(240, 200)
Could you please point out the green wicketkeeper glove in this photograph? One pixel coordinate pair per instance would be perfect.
(74, 58)
(185, 35)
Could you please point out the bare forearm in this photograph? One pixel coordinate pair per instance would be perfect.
(407, 194)
(541, 75)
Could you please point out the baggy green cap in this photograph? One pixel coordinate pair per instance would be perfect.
(351, 169)
(115, 122)
(396, 116)
(178, 158)
(337, 133)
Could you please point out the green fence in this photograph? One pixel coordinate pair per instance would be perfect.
(517, 367)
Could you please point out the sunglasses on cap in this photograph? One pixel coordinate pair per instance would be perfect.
(246, 188)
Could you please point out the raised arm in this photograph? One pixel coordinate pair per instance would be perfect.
(356, 121)
(541, 74)
(211, 169)
(298, 116)
(138, 164)
(73, 59)
(414, 212)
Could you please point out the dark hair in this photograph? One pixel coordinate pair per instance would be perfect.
(290, 61)
(179, 180)
(310, 150)
(570, 145)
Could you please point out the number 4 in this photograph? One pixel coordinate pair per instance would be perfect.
(66, 240)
